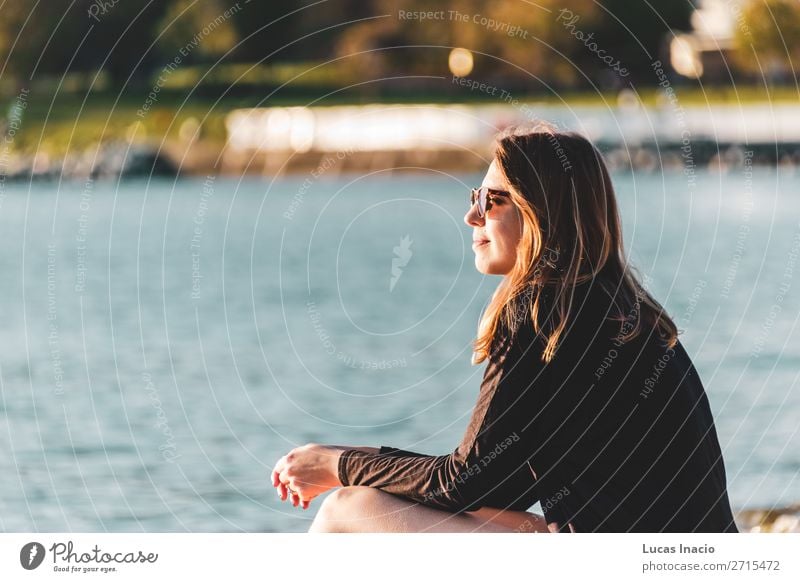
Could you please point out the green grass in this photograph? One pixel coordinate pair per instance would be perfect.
(66, 124)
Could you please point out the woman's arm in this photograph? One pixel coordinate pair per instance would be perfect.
(489, 467)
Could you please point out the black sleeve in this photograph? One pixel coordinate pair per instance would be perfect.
(490, 465)
(395, 452)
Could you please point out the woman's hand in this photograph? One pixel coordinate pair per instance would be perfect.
(306, 472)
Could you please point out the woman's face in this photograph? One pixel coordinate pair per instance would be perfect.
(500, 228)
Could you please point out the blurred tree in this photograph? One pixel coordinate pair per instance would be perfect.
(59, 36)
(267, 27)
(513, 41)
(200, 29)
(769, 30)
(638, 32)
(546, 38)
(49, 37)
(126, 33)
(508, 30)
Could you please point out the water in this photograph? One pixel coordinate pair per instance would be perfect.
(163, 343)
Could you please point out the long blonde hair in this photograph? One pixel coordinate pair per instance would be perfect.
(571, 233)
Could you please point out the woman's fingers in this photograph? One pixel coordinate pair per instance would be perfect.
(285, 492)
(282, 492)
(277, 470)
(287, 485)
(282, 483)
(280, 480)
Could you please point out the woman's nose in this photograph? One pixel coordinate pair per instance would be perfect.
(472, 218)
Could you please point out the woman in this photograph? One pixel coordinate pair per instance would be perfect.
(589, 403)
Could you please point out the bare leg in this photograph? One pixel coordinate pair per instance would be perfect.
(366, 509)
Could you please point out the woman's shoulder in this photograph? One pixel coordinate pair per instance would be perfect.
(591, 308)
(545, 298)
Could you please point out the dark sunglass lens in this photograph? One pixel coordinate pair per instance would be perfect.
(473, 196)
(480, 195)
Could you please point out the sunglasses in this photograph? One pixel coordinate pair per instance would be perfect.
(485, 196)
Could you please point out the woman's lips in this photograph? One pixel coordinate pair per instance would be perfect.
(479, 243)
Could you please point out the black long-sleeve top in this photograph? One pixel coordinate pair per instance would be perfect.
(608, 436)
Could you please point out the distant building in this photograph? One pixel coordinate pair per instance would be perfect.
(705, 51)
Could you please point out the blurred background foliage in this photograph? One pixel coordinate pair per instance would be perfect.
(769, 37)
(130, 41)
(87, 58)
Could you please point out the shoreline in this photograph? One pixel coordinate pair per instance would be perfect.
(120, 159)
(769, 520)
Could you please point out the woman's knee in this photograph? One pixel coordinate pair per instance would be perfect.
(339, 507)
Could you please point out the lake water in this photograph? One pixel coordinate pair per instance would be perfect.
(163, 343)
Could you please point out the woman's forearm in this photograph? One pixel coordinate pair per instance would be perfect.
(333, 466)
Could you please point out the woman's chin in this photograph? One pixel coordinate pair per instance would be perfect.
(488, 268)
